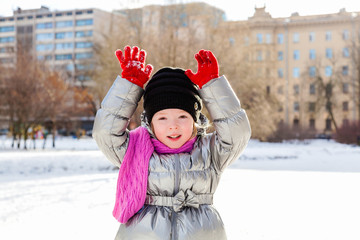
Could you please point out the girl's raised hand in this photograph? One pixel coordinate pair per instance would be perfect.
(208, 68)
(133, 67)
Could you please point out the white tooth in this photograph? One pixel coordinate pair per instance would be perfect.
(174, 136)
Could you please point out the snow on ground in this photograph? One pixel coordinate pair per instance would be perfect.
(300, 190)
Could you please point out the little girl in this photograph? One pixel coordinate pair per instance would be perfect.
(169, 167)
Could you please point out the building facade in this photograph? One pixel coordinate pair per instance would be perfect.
(293, 53)
(64, 39)
(290, 54)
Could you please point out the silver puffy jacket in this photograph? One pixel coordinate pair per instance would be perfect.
(180, 186)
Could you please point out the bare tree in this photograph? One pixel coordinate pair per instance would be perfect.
(325, 76)
(33, 94)
(354, 50)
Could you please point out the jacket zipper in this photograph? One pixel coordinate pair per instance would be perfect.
(174, 230)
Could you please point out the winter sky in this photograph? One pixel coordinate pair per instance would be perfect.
(235, 9)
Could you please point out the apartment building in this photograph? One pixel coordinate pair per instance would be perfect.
(64, 39)
(291, 53)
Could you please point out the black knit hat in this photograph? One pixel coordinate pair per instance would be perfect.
(171, 88)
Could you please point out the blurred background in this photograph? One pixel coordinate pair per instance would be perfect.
(296, 75)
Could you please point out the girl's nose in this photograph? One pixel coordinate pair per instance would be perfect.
(173, 125)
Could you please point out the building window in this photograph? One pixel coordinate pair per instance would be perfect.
(89, 11)
(328, 36)
(63, 35)
(312, 106)
(311, 36)
(312, 123)
(328, 71)
(280, 73)
(328, 124)
(259, 55)
(345, 87)
(83, 78)
(46, 57)
(268, 55)
(24, 29)
(296, 106)
(345, 34)
(44, 36)
(58, 14)
(84, 22)
(280, 38)
(83, 55)
(83, 45)
(70, 67)
(296, 37)
(296, 72)
(268, 38)
(84, 67)
(44, 47)
(280, 55)
(80, 34)
(312, 71)
(346, 52)
(7, 39)
(246, 41)
(63, 56)
(69, 13)
(6, 60)
(312, 54)
(63, 24)
(345, 70)
(46, 25)
(78, 12)
(296, 123)
(259, 38)
(345, 106)
(312, 89)
(68, 45)
(6, 49)
(296, 55)
(296, 89)
(231, 41)
(7, 29)
(280, 90)
(329, 53)
(267, 89)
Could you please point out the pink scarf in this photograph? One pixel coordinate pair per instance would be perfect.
(133, 173)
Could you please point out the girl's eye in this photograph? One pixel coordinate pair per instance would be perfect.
(183, 116)
(162, 118)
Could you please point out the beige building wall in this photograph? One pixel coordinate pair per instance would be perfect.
(284, 45)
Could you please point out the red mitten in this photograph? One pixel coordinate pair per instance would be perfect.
(132, 64)
(208, 68)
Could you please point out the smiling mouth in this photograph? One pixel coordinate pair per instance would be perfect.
(174, 137)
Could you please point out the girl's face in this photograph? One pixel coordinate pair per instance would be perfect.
(173, 127)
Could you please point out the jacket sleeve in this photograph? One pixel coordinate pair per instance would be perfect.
(112, 119)
(232, 127)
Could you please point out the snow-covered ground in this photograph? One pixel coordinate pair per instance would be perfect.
(302, 190)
